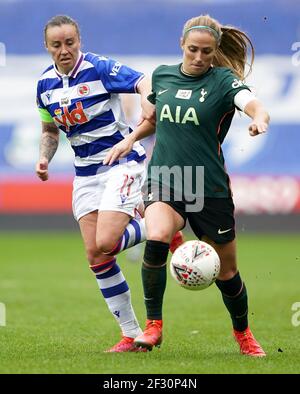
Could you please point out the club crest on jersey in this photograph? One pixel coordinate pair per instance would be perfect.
(184, 94)
(83, 90)
(68, 119)
(203, 94)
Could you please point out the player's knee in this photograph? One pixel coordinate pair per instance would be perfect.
(226, 273)
(93, 255)
(105, 245)
(157, 234)
(156, 253)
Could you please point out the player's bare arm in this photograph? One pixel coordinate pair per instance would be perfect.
(48, 146)
(260, 117)
(123, 148)
(148, 109)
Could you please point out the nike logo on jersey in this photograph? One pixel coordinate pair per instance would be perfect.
(223, 231)
(162, 91)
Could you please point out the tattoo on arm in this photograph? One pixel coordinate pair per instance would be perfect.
(49, 140)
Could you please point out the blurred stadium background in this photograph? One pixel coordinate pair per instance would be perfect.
(265, 171)
(53, 319)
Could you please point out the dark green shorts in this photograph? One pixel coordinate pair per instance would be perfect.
(215, 219)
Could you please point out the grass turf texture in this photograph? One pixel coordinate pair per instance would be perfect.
(57, 322)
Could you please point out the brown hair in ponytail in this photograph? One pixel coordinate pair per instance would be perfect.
(232, 44)
(232, 51)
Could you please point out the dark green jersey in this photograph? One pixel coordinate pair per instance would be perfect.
(193, 115)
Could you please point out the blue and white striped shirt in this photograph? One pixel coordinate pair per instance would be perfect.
(85, 104)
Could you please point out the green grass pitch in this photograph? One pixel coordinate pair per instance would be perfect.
(57, 321)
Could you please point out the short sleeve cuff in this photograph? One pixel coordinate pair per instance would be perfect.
(45, 116)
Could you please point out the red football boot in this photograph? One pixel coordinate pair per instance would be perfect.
(125, 345)
(152, 335)
(248, 344)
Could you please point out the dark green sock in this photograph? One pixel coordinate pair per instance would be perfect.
(238, 309)
(234, 294)
(154, 283)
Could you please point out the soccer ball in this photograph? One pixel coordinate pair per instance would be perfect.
(195, 265)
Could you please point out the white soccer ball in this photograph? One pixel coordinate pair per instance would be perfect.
(195, 265)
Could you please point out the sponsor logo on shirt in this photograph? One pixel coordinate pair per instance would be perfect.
(68, 119)
(237, 83)
(184, 94)
(180, 116)
(64, 101)
(115, 69)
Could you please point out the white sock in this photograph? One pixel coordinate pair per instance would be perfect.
(116, 293)
(135, 233)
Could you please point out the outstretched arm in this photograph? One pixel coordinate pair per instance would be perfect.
(260, 117)
(125, 146)
(48, 147)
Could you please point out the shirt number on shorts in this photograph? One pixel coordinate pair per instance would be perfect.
(125, 189)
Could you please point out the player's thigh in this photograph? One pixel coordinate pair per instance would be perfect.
(162, 221)
(87, 193)
(88, 227)
(227, 255)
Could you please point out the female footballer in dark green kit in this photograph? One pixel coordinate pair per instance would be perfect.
(195, 102)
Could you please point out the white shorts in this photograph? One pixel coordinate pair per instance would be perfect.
(118, 189)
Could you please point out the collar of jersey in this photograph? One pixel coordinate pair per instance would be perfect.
(195, 76)
(73, 73)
